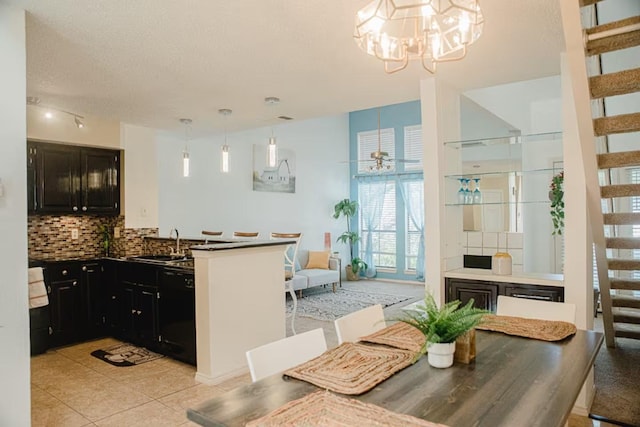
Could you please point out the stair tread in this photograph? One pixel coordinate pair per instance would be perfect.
(623, 264)
(623, 242)
(626, 284)
(617, 42)
(621, 218)
(626, 330)
(619, 159)
(626, 301)
(622, 123)
(612, 84)
(620, 190)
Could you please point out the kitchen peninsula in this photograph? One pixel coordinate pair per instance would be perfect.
(239, 303)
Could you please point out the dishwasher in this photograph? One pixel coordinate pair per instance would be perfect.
(178, 314)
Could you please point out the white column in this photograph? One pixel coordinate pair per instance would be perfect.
(240, 305)
(14, 301)
(440, 106)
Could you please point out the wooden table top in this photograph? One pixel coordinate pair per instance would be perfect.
(513, 382)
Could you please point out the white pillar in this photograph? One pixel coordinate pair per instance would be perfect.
(14, 300)
(440, 106)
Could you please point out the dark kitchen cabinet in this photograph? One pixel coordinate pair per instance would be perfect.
(63, 287)
(138, 303)
(76, 299)
(93, 297)
(485, 293)
(70, 179)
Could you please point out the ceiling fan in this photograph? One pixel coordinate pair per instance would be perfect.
(381, 158)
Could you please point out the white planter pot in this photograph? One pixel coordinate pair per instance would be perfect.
(440, 355)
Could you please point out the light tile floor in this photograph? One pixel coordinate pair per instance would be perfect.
(70, 388)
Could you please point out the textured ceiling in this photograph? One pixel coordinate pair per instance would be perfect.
(150, 62)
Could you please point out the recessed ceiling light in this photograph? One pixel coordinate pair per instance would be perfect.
(48, 115)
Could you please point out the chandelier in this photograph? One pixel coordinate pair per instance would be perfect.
(432, 31)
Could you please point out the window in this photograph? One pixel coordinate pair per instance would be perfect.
(377, 200)
(368, 143)
(413, 147)
(634, 178)
(414, 193)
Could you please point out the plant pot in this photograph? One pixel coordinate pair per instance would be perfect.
(351, 276)
(440, 355)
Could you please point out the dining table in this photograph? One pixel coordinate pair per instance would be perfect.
(513, 381)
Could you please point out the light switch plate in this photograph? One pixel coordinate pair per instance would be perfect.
(116, 232)
(74, 234)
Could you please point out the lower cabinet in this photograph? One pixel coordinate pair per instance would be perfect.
(485, 293)
(76, 300)
(139, 314)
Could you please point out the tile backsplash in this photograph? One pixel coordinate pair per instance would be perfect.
(488, 243)
(51, 237)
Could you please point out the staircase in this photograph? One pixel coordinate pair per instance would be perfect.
(619, 261)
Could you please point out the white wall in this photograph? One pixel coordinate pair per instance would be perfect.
(14, 320)
(211, 200)
(533, 106)
(140, 176)
(97, 132)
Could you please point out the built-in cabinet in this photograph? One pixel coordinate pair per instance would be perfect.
(485, 293)
(76, 301)
(67, 179)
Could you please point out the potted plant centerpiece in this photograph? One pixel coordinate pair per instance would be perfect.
(348, 209)
(442, 326)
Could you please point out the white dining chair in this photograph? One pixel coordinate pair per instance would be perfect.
(363, 322)
(534, 309)
(286, 353)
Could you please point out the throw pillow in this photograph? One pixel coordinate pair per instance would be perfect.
(318, 260)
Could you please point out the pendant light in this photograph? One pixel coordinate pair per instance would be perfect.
(272, 153)
(224, 160)
(185, 153)
(272, 147)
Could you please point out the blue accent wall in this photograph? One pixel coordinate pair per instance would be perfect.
(396, 116)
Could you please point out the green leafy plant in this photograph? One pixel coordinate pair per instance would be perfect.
(358, 264)
(445, 324)
(348, 208)
(105, 235)
(556, 194)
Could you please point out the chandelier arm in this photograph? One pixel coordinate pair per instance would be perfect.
(395, 70)
(457, 58)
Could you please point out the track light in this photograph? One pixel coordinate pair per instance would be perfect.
(78, 122)
(34, 101)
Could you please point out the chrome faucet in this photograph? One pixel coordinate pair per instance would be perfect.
(177, 240)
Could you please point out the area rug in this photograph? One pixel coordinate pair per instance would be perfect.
(323, 304)
(125, 355)
(616, 379)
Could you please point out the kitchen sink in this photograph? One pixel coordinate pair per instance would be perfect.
(163, 259)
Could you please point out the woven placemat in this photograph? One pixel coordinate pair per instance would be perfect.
(546, 330)
(328, 410)
(398, 335)
(352, 368)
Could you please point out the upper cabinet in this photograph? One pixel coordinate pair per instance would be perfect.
(65, 179)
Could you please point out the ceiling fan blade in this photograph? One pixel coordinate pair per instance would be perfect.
(404, 160)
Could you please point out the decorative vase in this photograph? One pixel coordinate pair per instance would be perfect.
(501, 263)
(440, 355)
(351, 276)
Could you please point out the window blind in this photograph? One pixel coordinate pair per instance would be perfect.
(413, 147)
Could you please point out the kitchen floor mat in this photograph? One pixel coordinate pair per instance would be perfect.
(125, 355)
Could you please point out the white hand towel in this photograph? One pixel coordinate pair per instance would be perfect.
(37, 290)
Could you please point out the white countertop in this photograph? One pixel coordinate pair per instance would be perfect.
(523, 278)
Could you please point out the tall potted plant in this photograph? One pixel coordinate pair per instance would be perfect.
(442, 326)
(348, 209)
